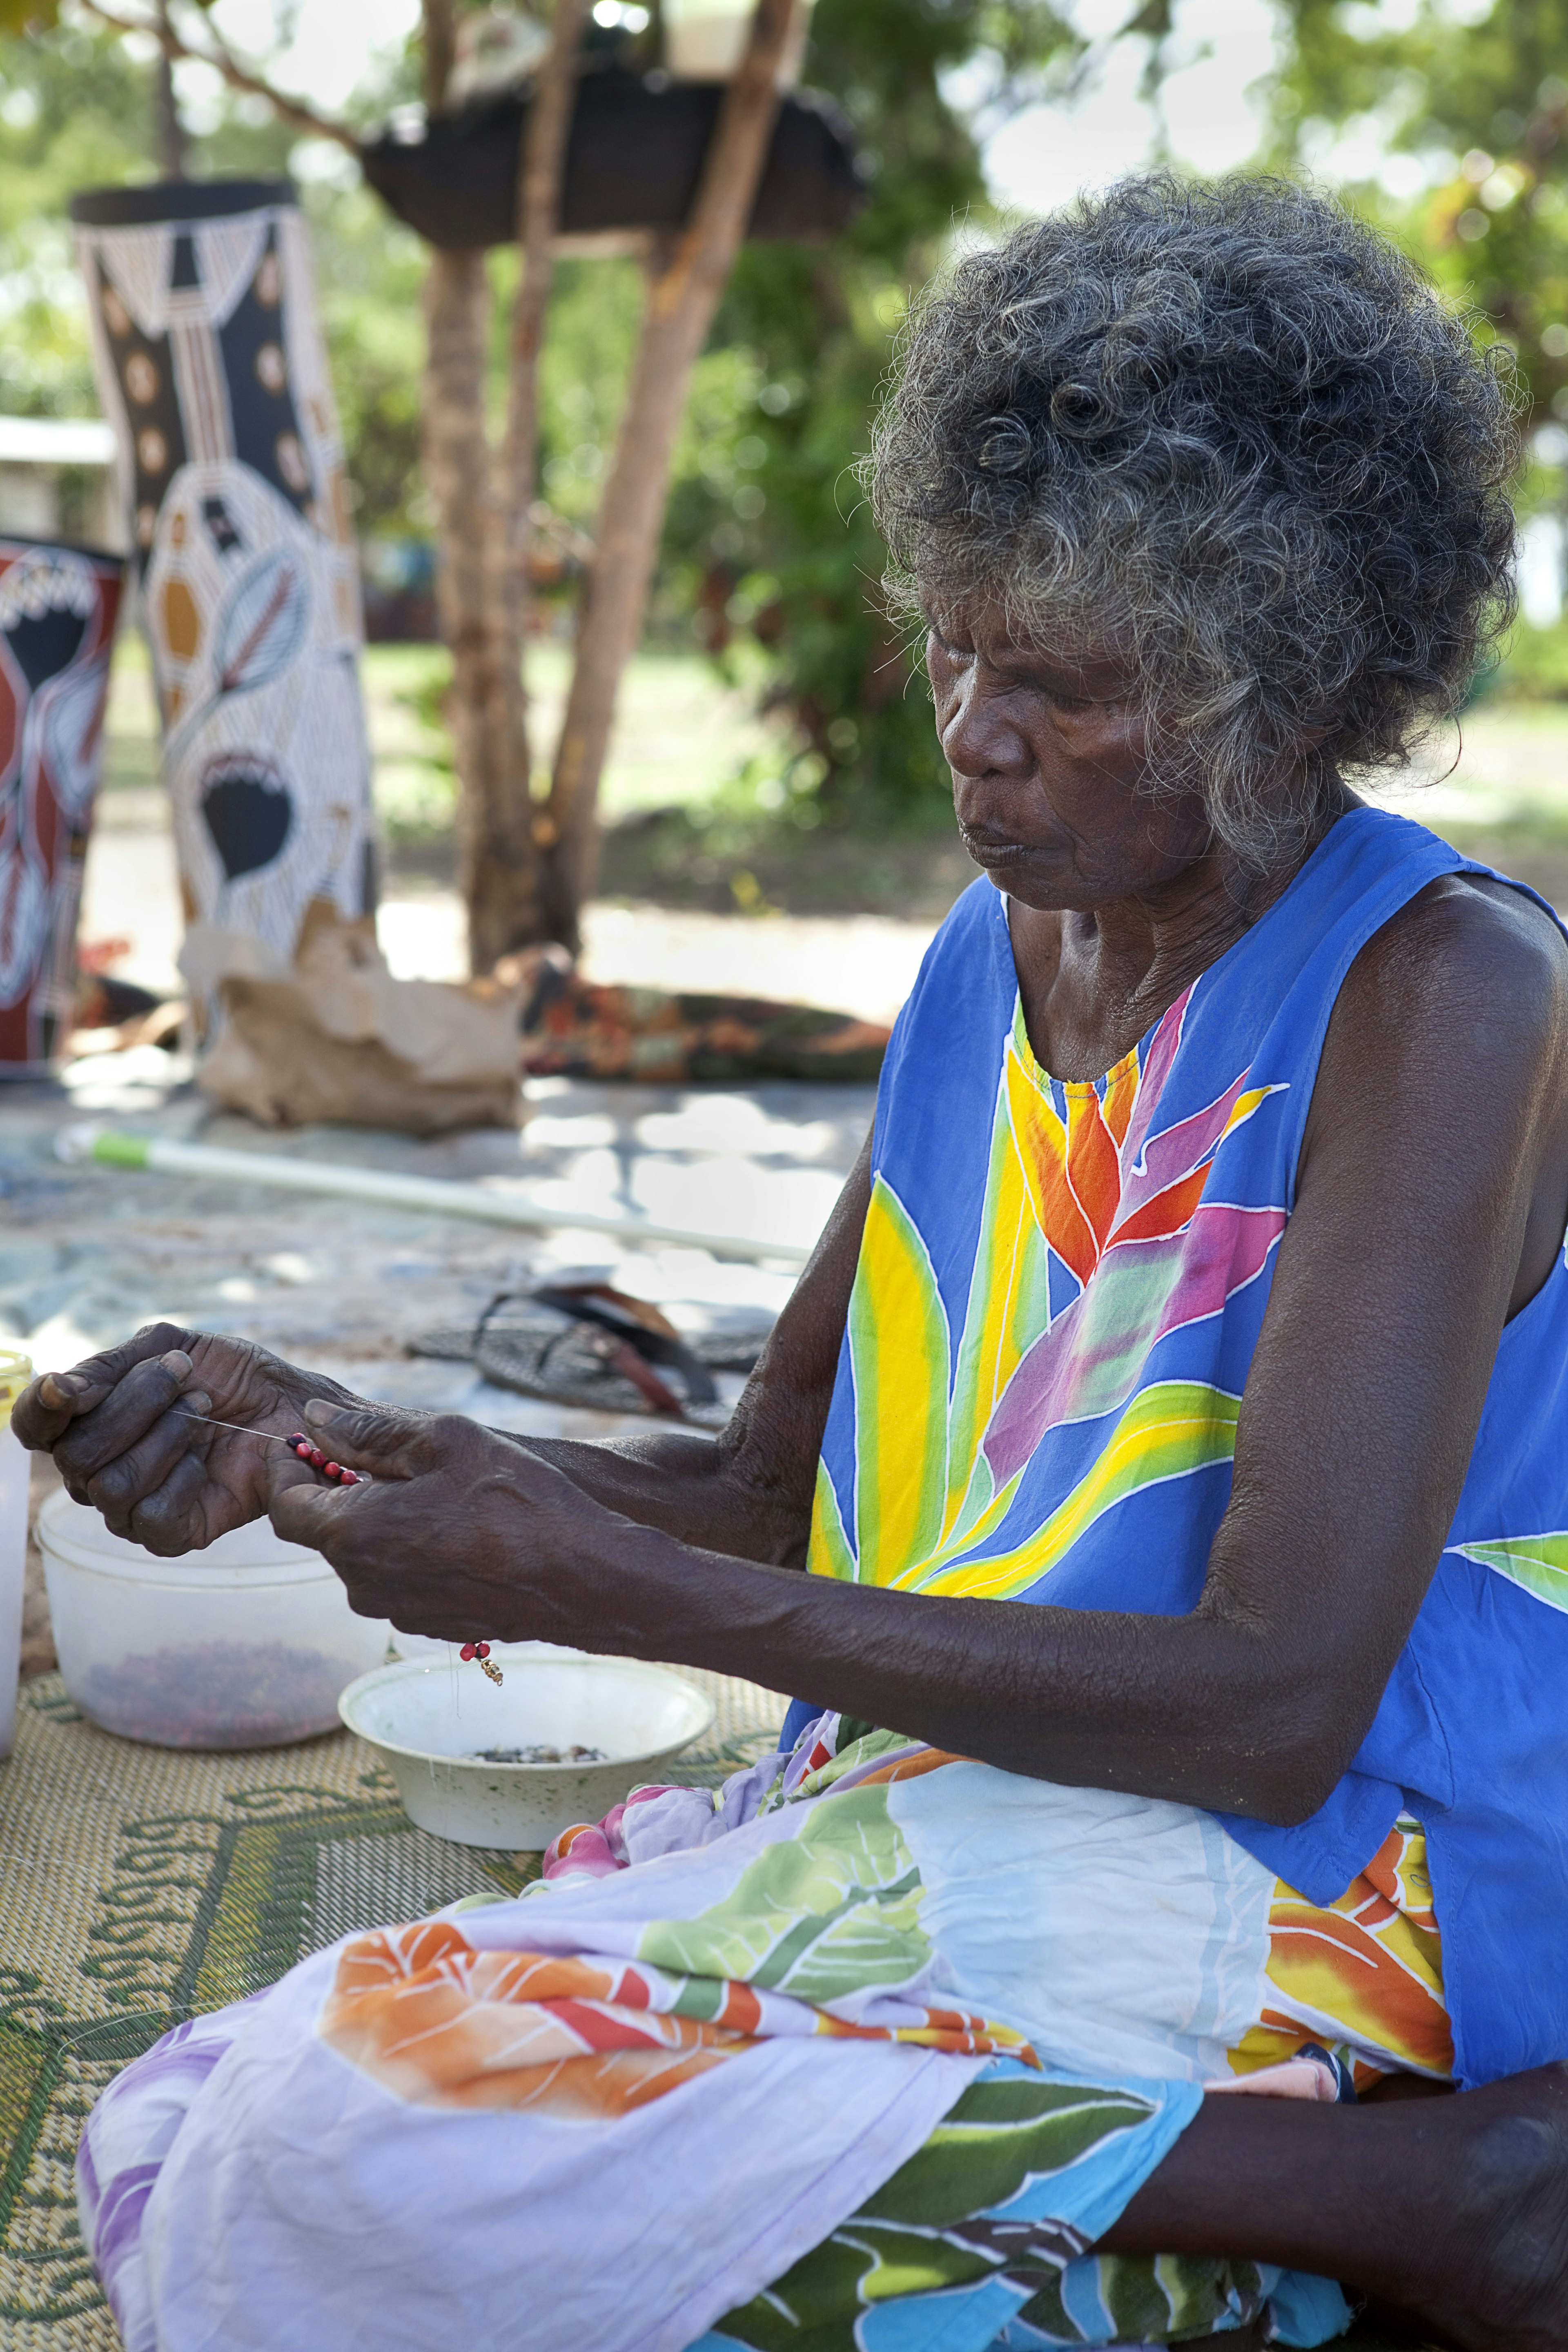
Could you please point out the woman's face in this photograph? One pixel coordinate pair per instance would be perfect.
(1051, 767)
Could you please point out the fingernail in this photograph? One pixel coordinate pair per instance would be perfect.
(176, 1361)
(68, 1384)
(319, 1410)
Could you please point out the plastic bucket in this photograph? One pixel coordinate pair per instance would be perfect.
(246, 1644)
(16, 1372)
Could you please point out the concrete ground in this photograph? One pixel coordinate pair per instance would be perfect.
(88, 1254)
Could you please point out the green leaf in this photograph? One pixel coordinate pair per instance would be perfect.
(28, 15)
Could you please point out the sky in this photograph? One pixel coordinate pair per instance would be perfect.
(336, 44)
(1045, 154)
(1040, 158)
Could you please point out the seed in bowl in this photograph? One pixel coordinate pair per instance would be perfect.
(216, 1695)
(540, 1756)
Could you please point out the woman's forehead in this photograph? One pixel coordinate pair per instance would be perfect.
(988, 621)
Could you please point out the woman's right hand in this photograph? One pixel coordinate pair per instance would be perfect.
(120, 1428)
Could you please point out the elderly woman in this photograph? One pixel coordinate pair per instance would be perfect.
(1169, 1425)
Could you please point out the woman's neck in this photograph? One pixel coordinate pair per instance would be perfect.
(1093, 981)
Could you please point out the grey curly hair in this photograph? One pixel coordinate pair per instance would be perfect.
(1237, 431)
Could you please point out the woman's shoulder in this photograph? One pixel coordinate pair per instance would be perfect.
(1481, 956)
(1445, 1070)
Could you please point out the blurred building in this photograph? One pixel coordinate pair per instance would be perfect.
(1542, 570)
(57, 481)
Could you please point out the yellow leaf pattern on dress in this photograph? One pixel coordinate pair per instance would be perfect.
(942, 1434)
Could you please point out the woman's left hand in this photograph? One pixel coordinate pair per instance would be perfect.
(458, 1533)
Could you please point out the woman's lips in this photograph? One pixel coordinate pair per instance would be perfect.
(988, 849)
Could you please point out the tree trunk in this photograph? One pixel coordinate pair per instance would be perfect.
(513, 919)
(482, 504)
(171, 130)
(439, 46)
(688, 279)
(497, 865)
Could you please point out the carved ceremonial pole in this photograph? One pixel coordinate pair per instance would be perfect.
(57, 607)
(210, 363)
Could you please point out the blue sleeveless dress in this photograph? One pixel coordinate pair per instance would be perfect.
(1059, 1291)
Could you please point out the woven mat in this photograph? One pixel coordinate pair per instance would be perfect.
(140, 1886)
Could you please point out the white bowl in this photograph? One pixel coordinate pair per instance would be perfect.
(246, 1644)
(428, 1722)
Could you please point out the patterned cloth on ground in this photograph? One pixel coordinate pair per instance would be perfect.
(864, 2052)
(574, 1027)
(143, 1885)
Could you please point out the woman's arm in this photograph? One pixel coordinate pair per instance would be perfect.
(119, 1428)
(1433, 1184)
(749, 1492)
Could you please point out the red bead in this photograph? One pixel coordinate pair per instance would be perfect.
(302, 1449)
(299, 1439)
(334, 1469)
(349, 1478)
(469, 1650)
(481, 1649)
(318, 1459)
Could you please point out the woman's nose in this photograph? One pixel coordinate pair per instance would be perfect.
(979, 739)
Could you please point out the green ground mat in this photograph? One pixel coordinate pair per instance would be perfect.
(140, 1886)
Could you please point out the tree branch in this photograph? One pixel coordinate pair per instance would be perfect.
(439, 24)
(541, 165)
(222, 61)
(689, 276)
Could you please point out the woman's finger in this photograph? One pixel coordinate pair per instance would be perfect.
(318, 1518)
(376, 1439)
(141, 1469)
(124, 1417)
(48, 1406)
(174, 1519)
(46, 1409)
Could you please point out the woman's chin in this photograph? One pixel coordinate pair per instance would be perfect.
(1035, 879)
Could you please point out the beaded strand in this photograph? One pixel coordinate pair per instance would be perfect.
(478, 1652)
(318, 1461)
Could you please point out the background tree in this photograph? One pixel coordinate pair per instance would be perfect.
(776, 539)
(767, 552)
(482, 496)
(1477, 115)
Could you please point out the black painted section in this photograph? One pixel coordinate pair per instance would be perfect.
(632, 161)
(177, 200)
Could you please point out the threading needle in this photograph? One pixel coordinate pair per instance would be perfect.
(243, 1429)
(270, 1435)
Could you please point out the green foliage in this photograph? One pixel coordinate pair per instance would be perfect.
(767, 530)
(584, 368)
(1533, 668)
(1483, 108)
(75, 111)
(768, 544)
(368, 270)
(1477, 114)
